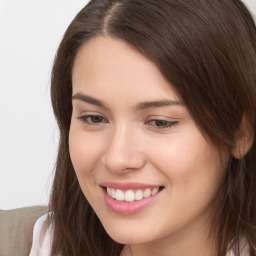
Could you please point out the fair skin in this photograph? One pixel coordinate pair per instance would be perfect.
(129, 127)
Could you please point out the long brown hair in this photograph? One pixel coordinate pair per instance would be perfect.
(207, 50)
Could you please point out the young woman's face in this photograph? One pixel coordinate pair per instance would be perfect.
(141, 161)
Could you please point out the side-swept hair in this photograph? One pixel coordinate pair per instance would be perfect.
(206, 49)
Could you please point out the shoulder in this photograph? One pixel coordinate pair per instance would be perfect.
(42, 237)
(244, 249)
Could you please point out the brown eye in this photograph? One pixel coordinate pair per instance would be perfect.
(161, 124)
(92, 119)
(96, 119)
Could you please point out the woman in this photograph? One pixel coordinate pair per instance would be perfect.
(156, 105)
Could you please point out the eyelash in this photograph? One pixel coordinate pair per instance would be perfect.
(167, 124)
(85, 119)
(159, 123)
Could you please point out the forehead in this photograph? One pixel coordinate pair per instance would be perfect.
(106, 64)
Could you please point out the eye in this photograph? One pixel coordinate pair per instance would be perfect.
(161, 124)
(92, 119)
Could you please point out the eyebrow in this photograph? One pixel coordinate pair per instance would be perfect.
(158, 103)
(140, 106)
(88, 99)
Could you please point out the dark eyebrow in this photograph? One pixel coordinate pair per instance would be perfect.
(158, 103)
(88, 99)
(140, 106)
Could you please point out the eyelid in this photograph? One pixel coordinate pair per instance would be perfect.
(163, 118)
(84, 119)
(170, 123)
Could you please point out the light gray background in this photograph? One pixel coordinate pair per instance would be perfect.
(30, 31)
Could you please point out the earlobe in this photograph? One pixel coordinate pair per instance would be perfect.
(244, 141)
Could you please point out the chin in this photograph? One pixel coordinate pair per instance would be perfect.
(128, 238)
(122, 235)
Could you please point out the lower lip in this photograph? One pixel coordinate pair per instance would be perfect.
(128, 208)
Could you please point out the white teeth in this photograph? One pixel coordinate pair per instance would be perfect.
(147, 192)
(139, 195)
(119, 195)
(130, 195)
(113, 193)
(154, 191)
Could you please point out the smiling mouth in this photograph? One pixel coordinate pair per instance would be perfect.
(132, 195)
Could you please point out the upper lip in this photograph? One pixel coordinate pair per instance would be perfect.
(127, 185)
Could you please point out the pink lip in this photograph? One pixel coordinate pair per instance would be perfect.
(128, 208)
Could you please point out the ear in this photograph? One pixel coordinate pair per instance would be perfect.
(244, 140)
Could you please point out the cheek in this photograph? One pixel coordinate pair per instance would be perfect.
(85, 152)
(188, 162)
(192, 169)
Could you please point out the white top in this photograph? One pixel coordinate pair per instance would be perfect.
(42, 240)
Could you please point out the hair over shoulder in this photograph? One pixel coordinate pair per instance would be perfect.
(207, 51)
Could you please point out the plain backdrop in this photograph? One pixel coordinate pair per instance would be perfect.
(30, 31)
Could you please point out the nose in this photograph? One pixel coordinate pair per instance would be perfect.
(124, 151)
